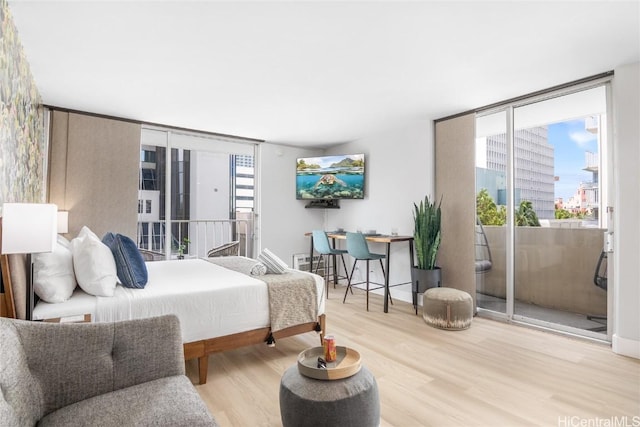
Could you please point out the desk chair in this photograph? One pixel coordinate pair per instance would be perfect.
(322, 246)
(357, 247)
(483, 252)
(600, 280)
(228, 249)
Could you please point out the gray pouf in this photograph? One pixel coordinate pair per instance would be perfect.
(351, 401)
(447, 308)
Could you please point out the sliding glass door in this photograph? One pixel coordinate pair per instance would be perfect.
(542, 191)
(491, 213)
(196, 193)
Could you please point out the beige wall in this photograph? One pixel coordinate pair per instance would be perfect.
(626, 175)
(94, 165)
(454, 182)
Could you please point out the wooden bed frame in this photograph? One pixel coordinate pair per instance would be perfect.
(203, 348)
(197, 349)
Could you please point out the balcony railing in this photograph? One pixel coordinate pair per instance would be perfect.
(203, 235)
(554, 267)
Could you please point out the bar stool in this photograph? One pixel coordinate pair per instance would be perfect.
(322, 246)
(358, 248)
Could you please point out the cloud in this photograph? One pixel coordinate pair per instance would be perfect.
(582, 138)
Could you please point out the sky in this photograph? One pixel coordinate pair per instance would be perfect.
(570, 141)
(326, 161)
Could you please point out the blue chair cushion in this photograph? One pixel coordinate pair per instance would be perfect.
(322, 246)
(358, 247)
(338, 251)
(483, 265)
(376, 256)
(132, 271)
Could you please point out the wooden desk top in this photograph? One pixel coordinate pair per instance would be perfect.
(378, 238)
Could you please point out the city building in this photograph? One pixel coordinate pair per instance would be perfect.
(205, 186)
(534, 160)
(588, 197)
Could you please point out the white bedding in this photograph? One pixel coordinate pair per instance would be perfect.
(79, 303)
(209, 300)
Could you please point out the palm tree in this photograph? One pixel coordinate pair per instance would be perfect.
(487, 211)
(526, 216)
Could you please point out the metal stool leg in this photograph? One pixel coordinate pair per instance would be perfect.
(384, 275)
(344, 264)
(367, 285)
(326, 283)
(349, 283)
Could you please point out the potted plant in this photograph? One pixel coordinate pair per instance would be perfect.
(182, 246)
(426, 238)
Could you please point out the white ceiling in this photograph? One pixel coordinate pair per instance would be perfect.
(313, 73)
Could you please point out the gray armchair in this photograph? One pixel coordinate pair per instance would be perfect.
(106, 374)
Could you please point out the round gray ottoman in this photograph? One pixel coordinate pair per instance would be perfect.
(351, 401)
(447, 308)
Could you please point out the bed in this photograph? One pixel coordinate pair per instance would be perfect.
(219, 308)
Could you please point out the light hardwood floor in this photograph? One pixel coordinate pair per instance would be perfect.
(493, 374)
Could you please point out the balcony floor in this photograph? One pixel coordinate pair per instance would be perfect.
(533, 311)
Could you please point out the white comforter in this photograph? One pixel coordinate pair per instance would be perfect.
(209, 300)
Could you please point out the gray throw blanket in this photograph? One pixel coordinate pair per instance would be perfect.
(293, 296)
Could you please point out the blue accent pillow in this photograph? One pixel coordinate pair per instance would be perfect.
(132, 271)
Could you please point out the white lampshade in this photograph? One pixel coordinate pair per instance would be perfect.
(29, 228)
(63, 222)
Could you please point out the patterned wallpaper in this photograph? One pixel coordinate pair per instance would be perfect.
(22, 144)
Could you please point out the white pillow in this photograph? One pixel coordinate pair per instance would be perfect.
(53, 276)
(274, 264)
(258, 269)
(94, 264)
(86, 231)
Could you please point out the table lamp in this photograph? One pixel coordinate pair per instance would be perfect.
(29, 228)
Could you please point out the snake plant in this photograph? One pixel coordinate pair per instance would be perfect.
(426, 233)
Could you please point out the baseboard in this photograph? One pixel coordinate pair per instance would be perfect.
(401, 293)
(625, 346)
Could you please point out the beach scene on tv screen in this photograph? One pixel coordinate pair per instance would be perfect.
(330, 177)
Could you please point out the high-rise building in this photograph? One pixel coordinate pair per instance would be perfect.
(534, 166)
(587, 199)
(204, 186)
(244, 175)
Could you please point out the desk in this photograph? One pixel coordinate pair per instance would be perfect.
(379, 238)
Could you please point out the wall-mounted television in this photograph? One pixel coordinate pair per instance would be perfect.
(330, 177)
